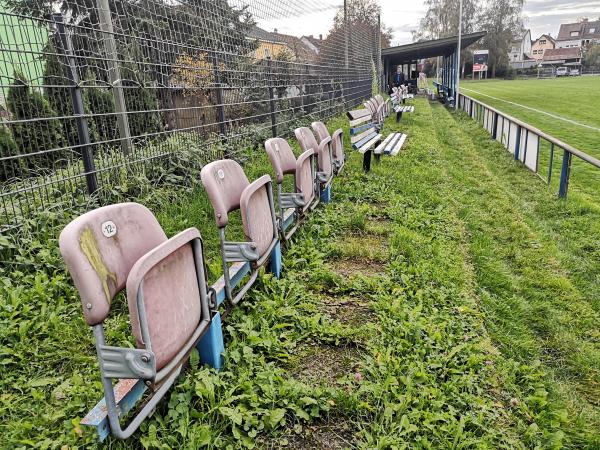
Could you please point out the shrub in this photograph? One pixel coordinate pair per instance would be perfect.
(8, 147)
(38, 135)
(100, 103)
(57, 93)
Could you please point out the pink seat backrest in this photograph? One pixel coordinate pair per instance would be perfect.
(281, 156)
(307, 142)
(321, 130)
(224, 182)
(257, 216)
(369, 104)
(100, 248)
(336, 144)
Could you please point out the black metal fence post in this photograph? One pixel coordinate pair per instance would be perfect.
(565, 173)
(219, 92)
(495, 126)
(83, 132)
(271, 98)
(518, 142)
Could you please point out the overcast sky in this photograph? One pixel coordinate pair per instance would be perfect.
(541, 16)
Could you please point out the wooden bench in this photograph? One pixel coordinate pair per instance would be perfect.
(391, 144)
(403, 109)
(363, 134)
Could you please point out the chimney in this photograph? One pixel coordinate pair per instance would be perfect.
(320, 37)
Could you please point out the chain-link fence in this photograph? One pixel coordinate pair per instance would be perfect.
(92, 91)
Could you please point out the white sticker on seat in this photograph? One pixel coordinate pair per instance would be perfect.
(109, 229)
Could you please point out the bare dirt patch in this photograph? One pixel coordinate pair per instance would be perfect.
(347, 310)
(365, 255)
(349, 267)
(325, 364)
(327, 436)
(333, 434)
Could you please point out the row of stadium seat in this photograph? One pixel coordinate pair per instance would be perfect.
(172, 307)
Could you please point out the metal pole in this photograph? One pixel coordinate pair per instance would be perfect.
(271, 101)
(458, 54)
(379, 52)
(114, 74)
(345, 34)
(83, 132)
(565, 172)
(220, 107)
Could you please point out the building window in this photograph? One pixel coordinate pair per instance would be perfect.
(592, 30)
(543, 42)
(267, 53)
(574, 33)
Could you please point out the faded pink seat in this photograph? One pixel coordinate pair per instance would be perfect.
(228, 189)
(120, 247)
(284, 162)
(372, 106)
(337, 144)
(307, 141)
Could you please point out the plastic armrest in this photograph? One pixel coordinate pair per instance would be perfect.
(325, 142)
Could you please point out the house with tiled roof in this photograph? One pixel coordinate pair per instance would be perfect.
(540, 45)
(580, 34)
(274, 44)
(313, 43)
(570, 57)
(519, 54)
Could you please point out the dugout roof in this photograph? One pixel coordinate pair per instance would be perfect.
(428, 49)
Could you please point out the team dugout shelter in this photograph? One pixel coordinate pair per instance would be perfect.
(404, 58)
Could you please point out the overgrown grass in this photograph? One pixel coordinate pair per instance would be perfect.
(573, 98)
(437, 302)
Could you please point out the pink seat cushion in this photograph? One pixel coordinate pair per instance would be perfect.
(307, 142)
(305, 180)
(337, 147)
(256, 214)
(171, 296)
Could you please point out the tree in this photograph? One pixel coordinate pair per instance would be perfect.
(592, 56)
(8, 148)
(441, 19)
(99, 102)
(56, 91)
(362, 36)
(43, 134)
(502, 19)
(161, 31)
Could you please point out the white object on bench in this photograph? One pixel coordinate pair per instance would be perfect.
(403, 109)
(391, 145)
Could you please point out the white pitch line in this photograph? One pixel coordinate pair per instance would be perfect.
(536, 110)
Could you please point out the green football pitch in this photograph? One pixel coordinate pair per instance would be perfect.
(566, 108)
